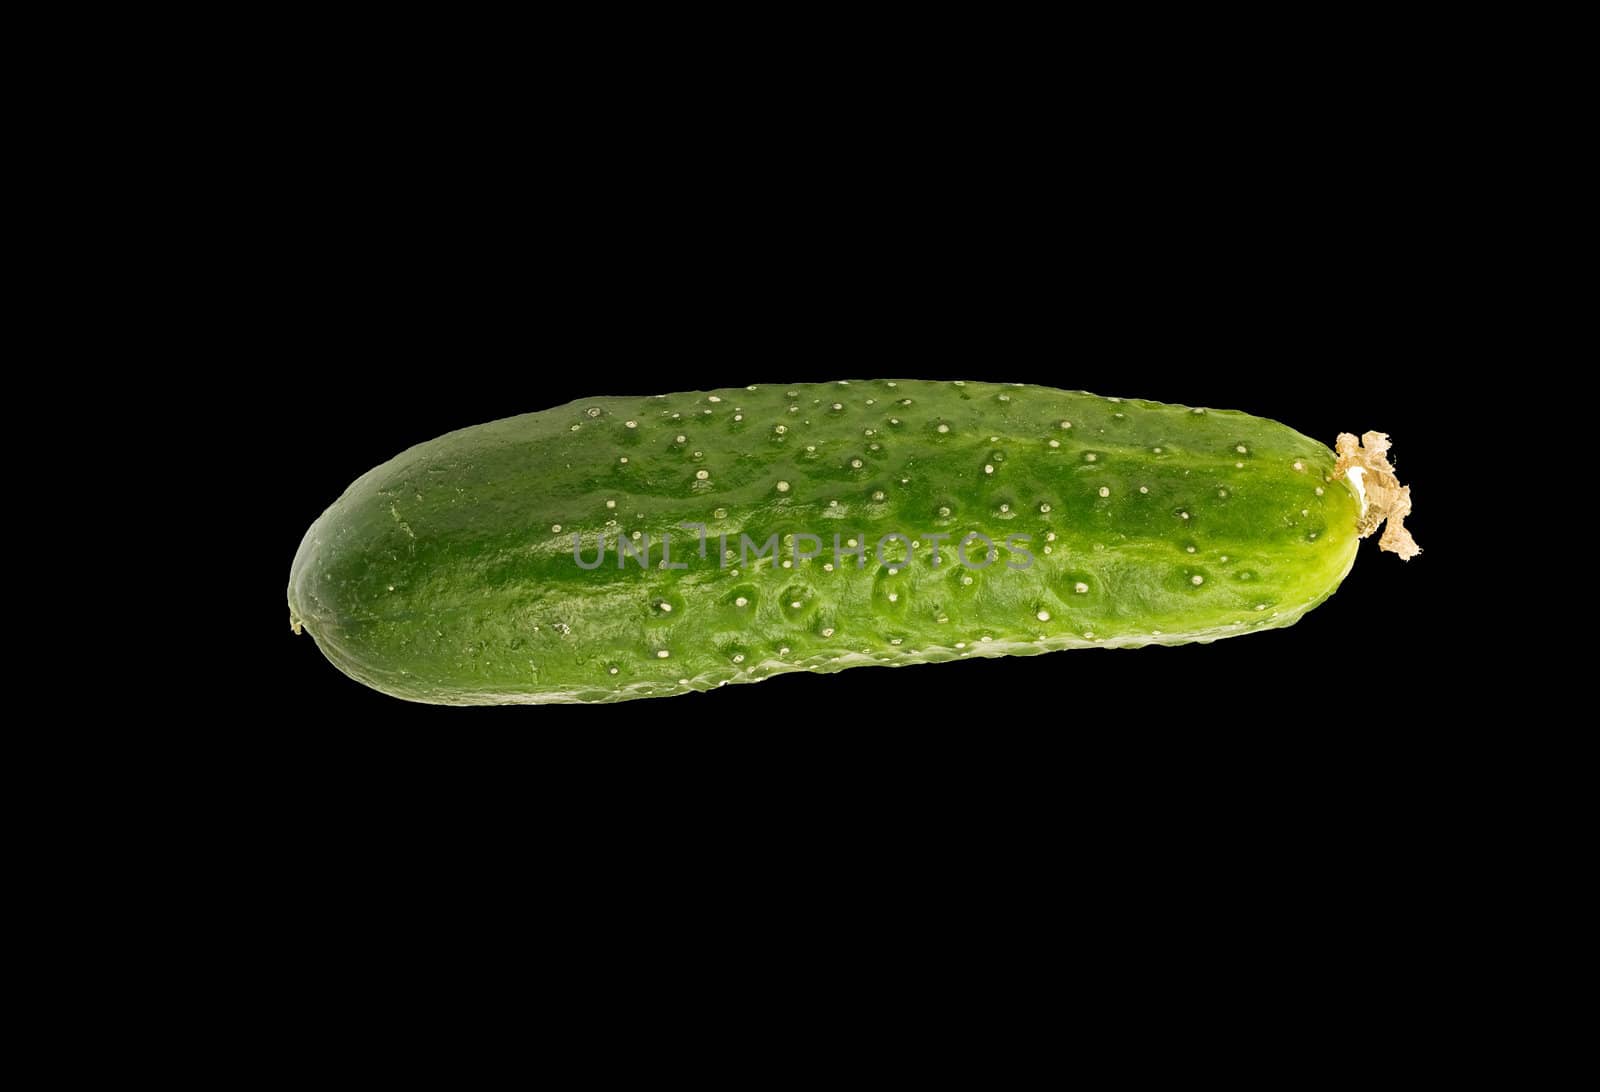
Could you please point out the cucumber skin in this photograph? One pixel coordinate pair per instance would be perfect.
(438, 576)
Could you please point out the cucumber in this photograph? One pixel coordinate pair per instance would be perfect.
(753, 531)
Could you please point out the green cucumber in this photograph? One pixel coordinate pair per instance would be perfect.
(462, 571)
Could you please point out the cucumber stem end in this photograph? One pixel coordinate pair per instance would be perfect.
(1383, 499)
